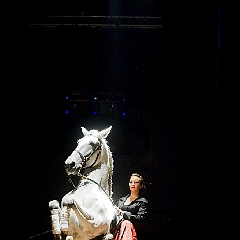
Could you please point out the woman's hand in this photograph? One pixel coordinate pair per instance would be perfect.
(126, 215)
(119, 211)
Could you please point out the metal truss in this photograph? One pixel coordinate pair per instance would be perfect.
(78, 96)
(143, 22)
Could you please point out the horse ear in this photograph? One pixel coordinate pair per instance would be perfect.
(84, 131)
(104, 133)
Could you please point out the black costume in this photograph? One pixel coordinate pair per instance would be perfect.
(135, 212)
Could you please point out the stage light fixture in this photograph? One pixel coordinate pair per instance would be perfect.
(123, 114)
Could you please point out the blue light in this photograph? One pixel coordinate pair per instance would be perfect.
(95, 98)
(66, 97)
(66, 112)
(95, 113)
(123, 114)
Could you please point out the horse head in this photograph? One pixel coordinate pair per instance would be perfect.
(87, 154)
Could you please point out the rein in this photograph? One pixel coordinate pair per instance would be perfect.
(89, 179)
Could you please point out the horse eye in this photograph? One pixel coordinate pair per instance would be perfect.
(92, 144)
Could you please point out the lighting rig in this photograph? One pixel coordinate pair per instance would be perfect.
(142, 22)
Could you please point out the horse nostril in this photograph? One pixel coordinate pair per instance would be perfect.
(70, 166)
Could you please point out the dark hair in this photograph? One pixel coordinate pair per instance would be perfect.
(143, 186)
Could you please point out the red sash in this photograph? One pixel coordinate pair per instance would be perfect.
(125, 231)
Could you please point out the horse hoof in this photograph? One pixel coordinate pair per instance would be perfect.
(57, 237)
(108, 237)
(64, 235)
(69, 238)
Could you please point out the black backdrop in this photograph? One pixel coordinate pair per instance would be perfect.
(167, 78)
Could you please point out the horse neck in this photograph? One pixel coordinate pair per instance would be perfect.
(102, 173)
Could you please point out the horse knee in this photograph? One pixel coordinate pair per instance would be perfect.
(68, 201)
(54, 204)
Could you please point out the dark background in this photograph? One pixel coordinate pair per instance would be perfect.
(165, 80)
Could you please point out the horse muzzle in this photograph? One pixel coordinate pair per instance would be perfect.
(72, 169)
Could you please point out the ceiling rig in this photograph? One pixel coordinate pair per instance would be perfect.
(144, 22)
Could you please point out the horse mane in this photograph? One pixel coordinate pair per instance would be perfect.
(111, 165)
(95, 132)
(110, 171)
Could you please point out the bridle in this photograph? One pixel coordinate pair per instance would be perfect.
(96, 147)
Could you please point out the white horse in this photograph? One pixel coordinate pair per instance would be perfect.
(87, 212)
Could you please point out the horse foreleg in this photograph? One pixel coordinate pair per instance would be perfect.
(64, 220)
(60, 220)
(87, 222)
(77, 209)
(55, 218)
(67, 206)
(85, 219)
